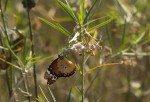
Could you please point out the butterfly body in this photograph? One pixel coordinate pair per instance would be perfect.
(60, 67)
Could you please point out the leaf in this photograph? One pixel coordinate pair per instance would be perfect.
(56, 26)
(101, 66)
(94, 20)
(82, 12)
(24, 51)
(122, 47)
(5, 5)
(68, 10)
(88, 14)
(39, 59)
(9, 47)
(78, 68)
(63, 19)
(138, 38)
(109, 37)
(124, 31)
(101, 24)
(15, 66)
(69, 96)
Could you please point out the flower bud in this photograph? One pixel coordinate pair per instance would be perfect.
(28, 4)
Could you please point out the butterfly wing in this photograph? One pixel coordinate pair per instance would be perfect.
(60, 67)
(51, 75)
(66, 67)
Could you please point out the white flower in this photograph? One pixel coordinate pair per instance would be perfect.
(77, 47)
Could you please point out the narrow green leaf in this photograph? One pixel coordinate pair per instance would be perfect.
(6, 4)
(138, 38)
(109, 37)
(68, 10)
(102, 66)
(9, 47)
(56, 26)
(64, 29)
(82, 12)
(30, 59)
(124, 31)
(122, 47)
(63, 19)
(78, 68)
(101, 24)
(40, 59)
(15, 66)
(69, 96)
(89, 12)
(95, 20)
(24, 51)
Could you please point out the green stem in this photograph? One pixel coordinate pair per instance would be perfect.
(83, 80)
(32, 48)
(7, 72)
(26, 85)
(83, 77)
(3, 21)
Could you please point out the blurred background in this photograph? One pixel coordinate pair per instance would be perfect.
(116, 83)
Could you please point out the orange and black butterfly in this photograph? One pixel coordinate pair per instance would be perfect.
(60, 67)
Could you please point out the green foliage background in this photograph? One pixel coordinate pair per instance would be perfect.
(129, 39)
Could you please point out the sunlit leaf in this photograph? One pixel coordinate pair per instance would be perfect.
(69, 96)
(39, 59)
(101, 24)
(138, 38)
(68, 10)
(89, 12)
(56, 26)
(82, 12)
(15, 66)
(109, 37)
(95, 20)
(13, 53)
(101, 66)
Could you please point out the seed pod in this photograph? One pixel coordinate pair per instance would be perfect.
(29, 4)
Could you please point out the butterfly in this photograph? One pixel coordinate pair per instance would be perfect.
(60, 67)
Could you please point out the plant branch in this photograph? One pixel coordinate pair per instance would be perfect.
(83, 64)
(7, 72)
(32, 48)
(26, 85)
